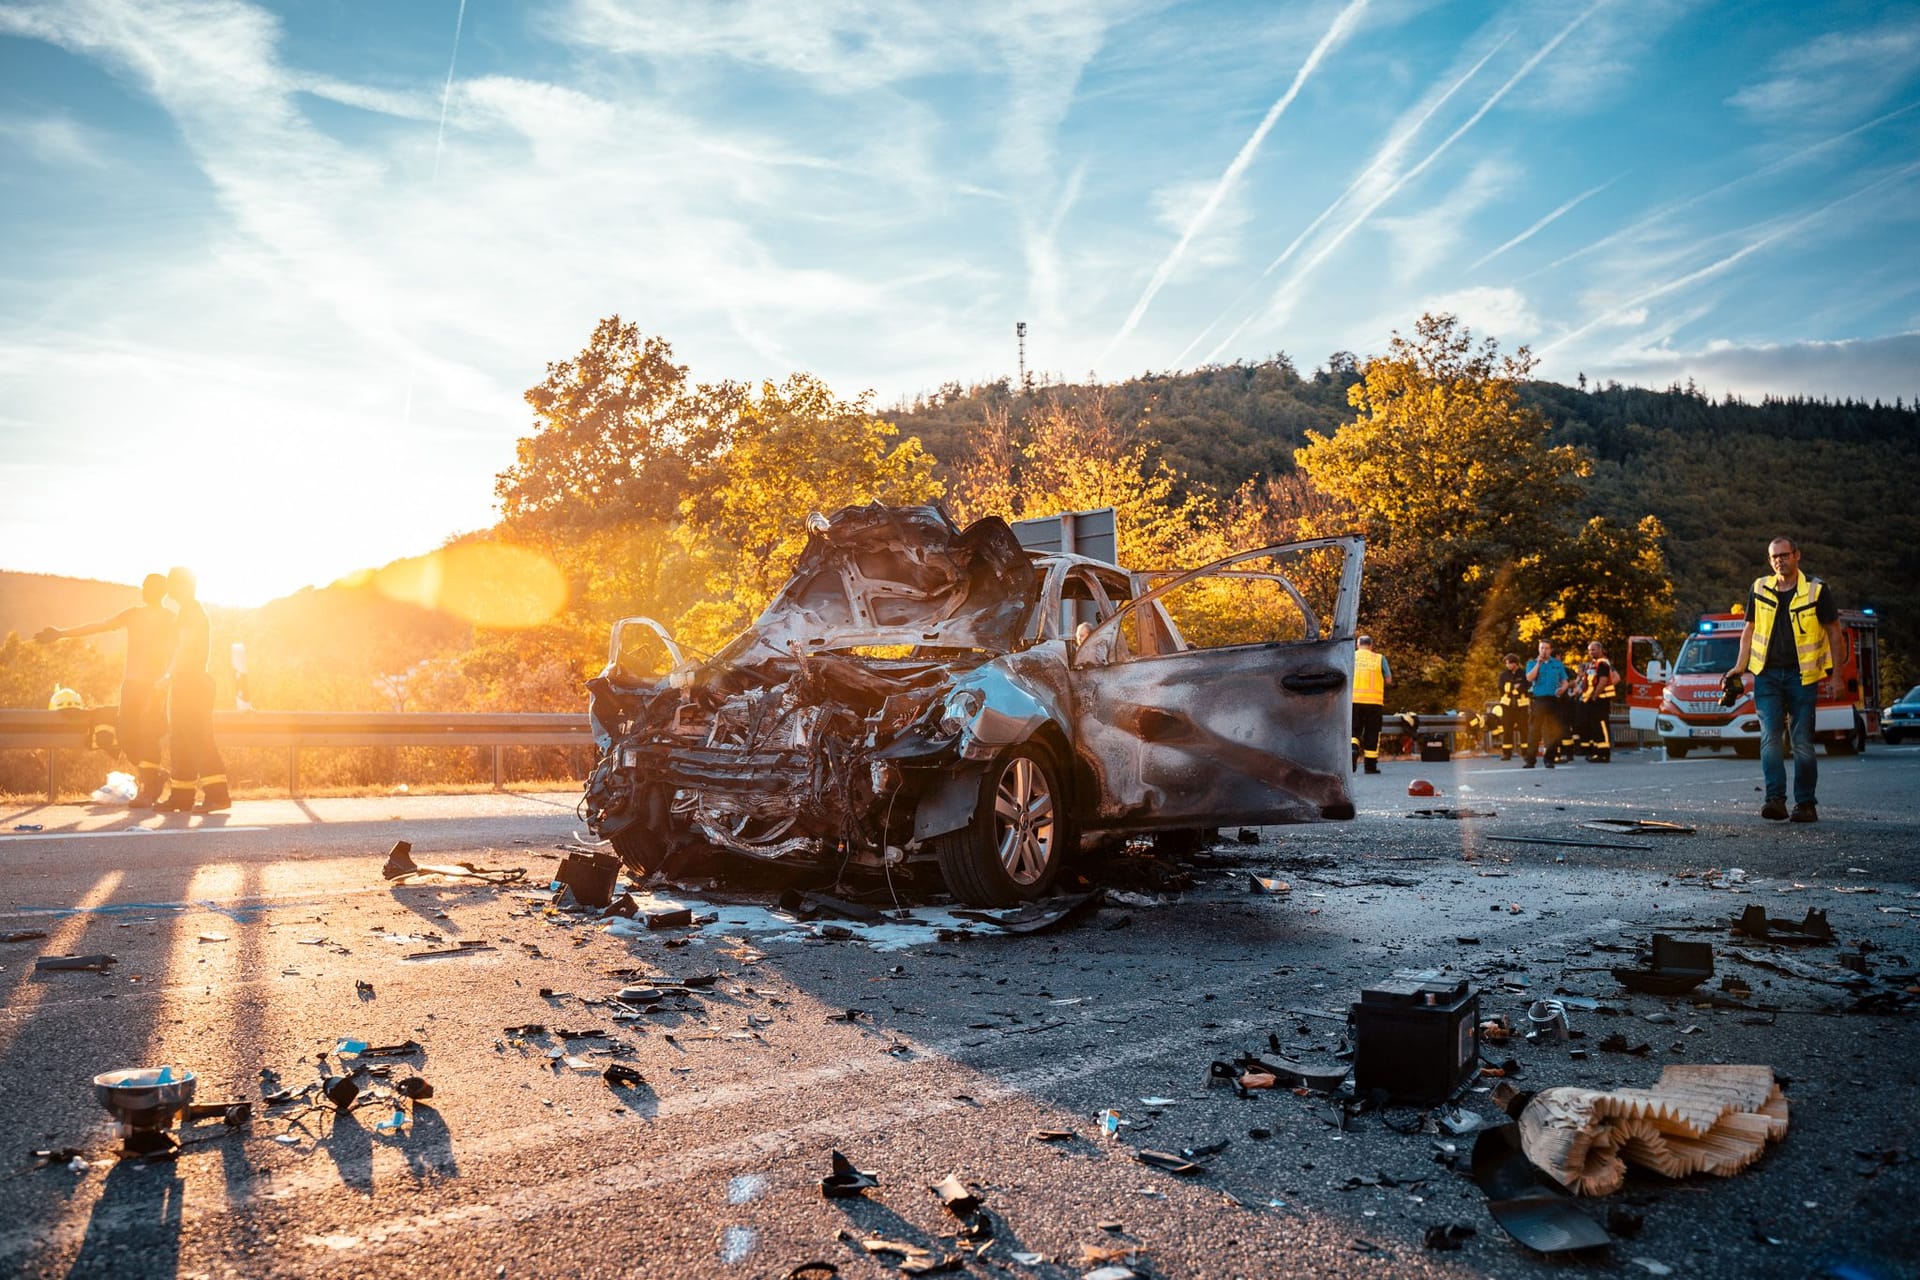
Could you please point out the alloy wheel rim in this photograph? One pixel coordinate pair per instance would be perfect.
(1023, 820)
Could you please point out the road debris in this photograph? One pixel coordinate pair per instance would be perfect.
(1638, 826)
(1528, 1205)
(1813, 930)
(75, 964)
(1697, 1118)
(1036, 916)
(845, 1181)
(400, 868)
(457, 949)
(1674, 967)
(589, 876)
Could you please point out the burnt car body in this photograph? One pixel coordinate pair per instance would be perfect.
(919, 692)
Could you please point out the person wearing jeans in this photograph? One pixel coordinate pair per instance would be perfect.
(1788, 644)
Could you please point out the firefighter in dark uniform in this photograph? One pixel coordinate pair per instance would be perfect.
(196, 763)
(151, 631)
(1510, 712)
(1597, 686)
(1371, 676)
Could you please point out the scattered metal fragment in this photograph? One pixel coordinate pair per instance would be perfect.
(363, 989)
(1570, 844)
(1453, 813)
(590, 876)
(1267, 884)
(1789, 965)
(1052, 1135)
(457, 949)
(1247, 835)
(405, 1048)
(1168, 1162)
(845, 1181)
(341, 1091)
(806, 905)
(1813, 930)
(620, 1075)
(75, 964)
(400, 867)
(1529, 1206)
(1448, 1235)
(414, 1087)
(23, 935)
(1035, 916)
(959, 1200)
(1639, 826)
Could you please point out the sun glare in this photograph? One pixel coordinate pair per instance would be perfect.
(489, 584)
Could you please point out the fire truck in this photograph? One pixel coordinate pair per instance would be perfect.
(1681, 701)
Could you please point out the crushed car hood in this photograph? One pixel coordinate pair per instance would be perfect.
(878, 575)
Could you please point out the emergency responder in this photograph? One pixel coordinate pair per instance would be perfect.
(1510, 712)
(1789, 643)
(1597, 685)
(1547, 683)
(196, 764)
(1371, 676)
(152, 631)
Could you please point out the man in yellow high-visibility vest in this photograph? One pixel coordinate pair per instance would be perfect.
(1371, 676)
(1790, 642)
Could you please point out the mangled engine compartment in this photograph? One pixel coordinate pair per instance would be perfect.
(799, 759)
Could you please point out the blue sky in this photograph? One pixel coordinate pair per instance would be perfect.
(274, 276)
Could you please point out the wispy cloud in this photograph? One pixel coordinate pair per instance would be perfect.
(1840, 74)
(1543, 223)
(1502, 313)
(1342, 24)
(1374, 172)
(56, 140)
(446, 92)
(1781, 231)
(1288, 292)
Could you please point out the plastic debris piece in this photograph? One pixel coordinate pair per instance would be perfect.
(1112, 1273)
(1675, 967)
(214, 937)
(75, 964)
(406, 1048)
(1168, 1162)
(287, 1139)
(341, 1091)
(845, 1181)
(1109, 1122)
(394, 1122)
(399, 861)
(1052, 1135)
(1528, 1205)
(1158, 1102)
(23, 935)
(620, 1075)
(457, 949)
(1813, 930)
(1448, 1235)
(363, 989)
(414, 1087)
(1267, 885)
(1639, 826)
(350, 1047)
(576, 1062)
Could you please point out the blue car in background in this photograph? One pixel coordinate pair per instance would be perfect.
(1902, 719)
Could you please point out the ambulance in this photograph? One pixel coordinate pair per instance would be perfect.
(1680, 702)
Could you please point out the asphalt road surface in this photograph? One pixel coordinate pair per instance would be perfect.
(241, 940)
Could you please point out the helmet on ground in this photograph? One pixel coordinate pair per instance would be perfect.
(1421, 787)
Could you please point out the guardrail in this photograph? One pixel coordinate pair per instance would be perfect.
(297, 731)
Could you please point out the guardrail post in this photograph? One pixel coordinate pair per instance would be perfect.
(496, 766)
(50, 791)
(293, 772)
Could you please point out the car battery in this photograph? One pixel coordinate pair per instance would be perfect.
(1416, 1036)
(590, 877)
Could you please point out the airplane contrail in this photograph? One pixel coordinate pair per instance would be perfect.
(1763, 171)
(1545, 222)
(1382, 158)
(1714, 268)
(1326, 250)
(446, 94)
(1335, 33)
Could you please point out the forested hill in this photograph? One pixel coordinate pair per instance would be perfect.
(1723, 476)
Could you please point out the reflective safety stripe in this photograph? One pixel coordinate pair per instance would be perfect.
(1369, 678)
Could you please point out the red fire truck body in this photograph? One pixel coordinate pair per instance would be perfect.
(1681, 703)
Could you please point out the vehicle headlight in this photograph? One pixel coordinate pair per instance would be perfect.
(1667, 701)
(961, 706)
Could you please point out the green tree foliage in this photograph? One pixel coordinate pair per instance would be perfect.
(618, 434)
(1471, 517)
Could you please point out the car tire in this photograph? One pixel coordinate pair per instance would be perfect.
(636, 846)
(1891, 738)
(1012, 849)
(1676, 749)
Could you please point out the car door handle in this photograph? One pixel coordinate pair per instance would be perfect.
(1312, 682)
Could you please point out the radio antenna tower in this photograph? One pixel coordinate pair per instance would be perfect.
(1020, 332)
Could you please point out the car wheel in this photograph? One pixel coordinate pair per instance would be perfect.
(637, 847)
(1843, 745)
(1012, 849)
(1676, 749)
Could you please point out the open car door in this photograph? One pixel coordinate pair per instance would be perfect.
(1224, 694)
(1646, 680)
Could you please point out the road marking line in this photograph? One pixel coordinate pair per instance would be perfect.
(120, 831)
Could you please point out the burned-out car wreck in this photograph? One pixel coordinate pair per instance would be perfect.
(920, 693)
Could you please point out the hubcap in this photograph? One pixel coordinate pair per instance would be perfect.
(1023, 820)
